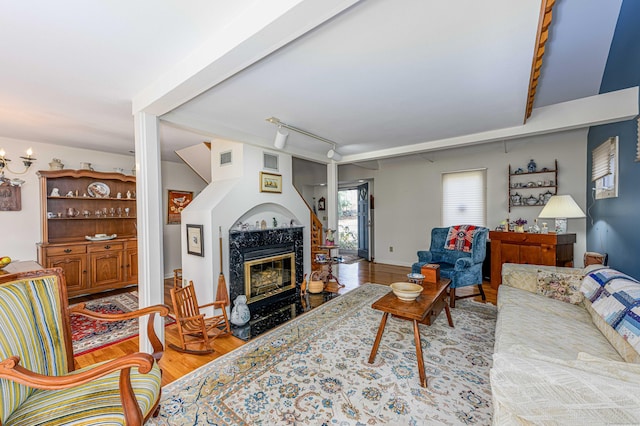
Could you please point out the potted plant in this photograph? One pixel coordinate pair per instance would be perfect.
(519, 224)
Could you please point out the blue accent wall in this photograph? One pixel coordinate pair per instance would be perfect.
(613, 224)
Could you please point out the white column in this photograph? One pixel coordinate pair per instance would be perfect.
(149, 223)
(332, 197)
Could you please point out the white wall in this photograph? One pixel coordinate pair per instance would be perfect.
(176, 176)
(22, 228)
(234, 195)
(408, 189)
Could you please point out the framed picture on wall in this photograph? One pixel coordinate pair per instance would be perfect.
(176, 202)
(270, 182)
(194, 240)
(10, 198)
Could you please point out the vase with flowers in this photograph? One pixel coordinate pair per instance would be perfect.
(519, 224)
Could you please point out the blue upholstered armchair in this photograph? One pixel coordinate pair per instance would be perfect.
(461, 267)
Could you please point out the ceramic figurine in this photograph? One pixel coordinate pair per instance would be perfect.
(531, 167)
(56, 164)
(329, 239)
(240, 314)
(55, 192)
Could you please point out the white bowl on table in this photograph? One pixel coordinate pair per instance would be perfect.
(406, 291)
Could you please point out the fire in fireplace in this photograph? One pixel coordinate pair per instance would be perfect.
(268, 276)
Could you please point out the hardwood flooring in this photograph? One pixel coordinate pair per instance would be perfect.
(175, 364)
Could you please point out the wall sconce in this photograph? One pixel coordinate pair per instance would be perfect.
(4, 162)
(281, 138)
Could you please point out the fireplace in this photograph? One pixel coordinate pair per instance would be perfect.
(274, 256)
(265, 277)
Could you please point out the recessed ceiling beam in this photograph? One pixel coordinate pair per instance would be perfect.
(541, 39)
(268, 27)
(594, 110)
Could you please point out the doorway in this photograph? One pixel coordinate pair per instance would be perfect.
(353, 221)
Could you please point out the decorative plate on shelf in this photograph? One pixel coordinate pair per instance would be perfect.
(100, 237)
(98, 190)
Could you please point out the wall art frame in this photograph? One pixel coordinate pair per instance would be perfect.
(195, 245)
(270, 182)
(176, 202)
(10, 197)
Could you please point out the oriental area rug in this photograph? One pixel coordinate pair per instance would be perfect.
(314, 371)
(89, 334)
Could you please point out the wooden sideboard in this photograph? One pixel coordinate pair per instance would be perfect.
(77, 204)
(523, 247)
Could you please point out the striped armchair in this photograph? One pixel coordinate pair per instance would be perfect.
(37, 381)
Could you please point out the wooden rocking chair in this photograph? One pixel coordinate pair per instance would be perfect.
(194, 327)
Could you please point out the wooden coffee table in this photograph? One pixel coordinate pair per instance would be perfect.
(423, 310)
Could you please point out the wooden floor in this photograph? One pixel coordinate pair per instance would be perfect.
(175, 364)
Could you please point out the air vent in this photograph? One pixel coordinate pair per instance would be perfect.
(225, 158)
(270, 161)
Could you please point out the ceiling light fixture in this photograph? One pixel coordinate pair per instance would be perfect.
(281, 138)
(334, 155)
(332, 152)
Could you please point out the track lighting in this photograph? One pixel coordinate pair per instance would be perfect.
(334, 155)
(281, 138)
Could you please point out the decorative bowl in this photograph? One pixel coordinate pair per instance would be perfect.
(406, 291)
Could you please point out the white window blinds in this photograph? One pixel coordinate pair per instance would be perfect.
(464, 198)
(601, 159)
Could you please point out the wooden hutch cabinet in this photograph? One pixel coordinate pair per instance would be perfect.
(527, 248)
(88, 222)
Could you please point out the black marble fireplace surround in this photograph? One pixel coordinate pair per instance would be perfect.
(250, 245)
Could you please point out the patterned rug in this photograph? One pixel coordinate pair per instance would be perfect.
(314, 371)
(89, 334)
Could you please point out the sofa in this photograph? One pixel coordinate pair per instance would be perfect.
(566, 347)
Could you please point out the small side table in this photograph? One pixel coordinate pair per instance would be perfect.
(423, 310)
(330, 275)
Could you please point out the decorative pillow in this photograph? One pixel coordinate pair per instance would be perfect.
(563, 287)
(460, 238)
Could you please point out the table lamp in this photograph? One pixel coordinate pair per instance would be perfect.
(561, 207)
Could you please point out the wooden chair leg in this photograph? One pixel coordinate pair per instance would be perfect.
(484, 298)
(452, 297)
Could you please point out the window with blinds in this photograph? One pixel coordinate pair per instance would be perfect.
(604, 168)
(464, 198)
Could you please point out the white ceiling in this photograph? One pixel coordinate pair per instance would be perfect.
(380, 74)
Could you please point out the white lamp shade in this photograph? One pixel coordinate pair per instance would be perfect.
(281, 138)
(562, 206)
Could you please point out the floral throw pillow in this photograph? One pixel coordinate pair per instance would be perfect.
(563, 287)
